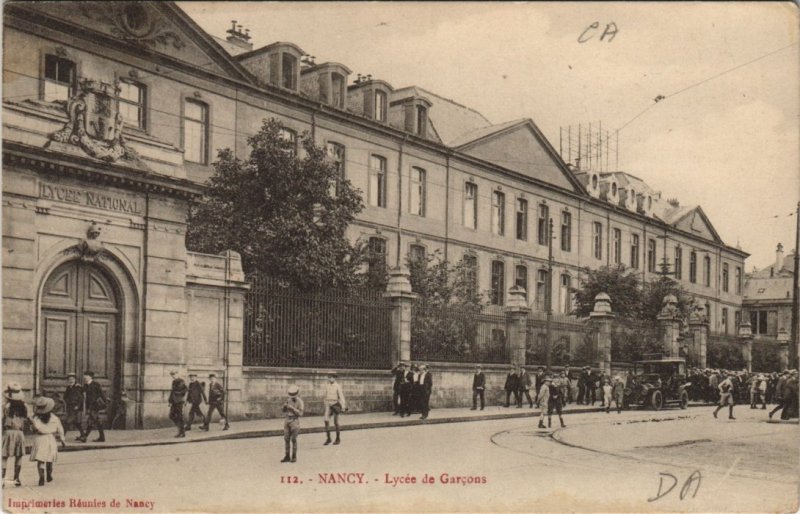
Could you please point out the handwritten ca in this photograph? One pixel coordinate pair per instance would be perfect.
(693, 481)
(610, 32)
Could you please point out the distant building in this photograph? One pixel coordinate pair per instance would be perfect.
(767, 302)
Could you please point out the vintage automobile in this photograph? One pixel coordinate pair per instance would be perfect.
(656, 383)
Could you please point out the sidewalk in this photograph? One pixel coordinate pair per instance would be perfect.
(310, 424)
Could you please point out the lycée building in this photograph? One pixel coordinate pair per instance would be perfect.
(112, 116)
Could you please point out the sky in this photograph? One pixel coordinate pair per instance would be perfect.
(725, 135)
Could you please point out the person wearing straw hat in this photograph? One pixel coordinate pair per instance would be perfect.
(15, 412)
(543, 401)
(48, 429)
(292, 409)
(334, 404)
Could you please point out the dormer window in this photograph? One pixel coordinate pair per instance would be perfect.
(422, 120)
(380, 105)
(337, 90)
(288, 71)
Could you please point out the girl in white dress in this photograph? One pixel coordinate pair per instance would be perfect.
(48, 429)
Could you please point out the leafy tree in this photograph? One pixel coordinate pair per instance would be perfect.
(445, 322)
(623, 286)
(285, 214)
(766, 358)
(657, 289)
(725, 356)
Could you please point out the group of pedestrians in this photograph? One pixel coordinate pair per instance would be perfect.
(195, 395)
(519, 384)
(411, 390)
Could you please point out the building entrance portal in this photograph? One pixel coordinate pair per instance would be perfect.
(79, 329)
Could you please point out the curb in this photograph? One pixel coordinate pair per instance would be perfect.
(75, 447)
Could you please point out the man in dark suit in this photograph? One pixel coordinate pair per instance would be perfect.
(196, 396)
(177, 399)
(478, 387)
(405, 393)
(94, 400)
(216, 401)
(425, 381)
(524, 380)
(73, 398)
(512, 386)
(399, 373)
(414, 396)
(583, 385)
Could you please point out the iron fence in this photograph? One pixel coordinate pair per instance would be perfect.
(330, 329)
(457, 334)
(572, 340)
(632, 340)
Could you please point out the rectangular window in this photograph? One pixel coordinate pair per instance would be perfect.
(336, 154)
(758, 322)
(498, 283)
(471, 273)
(724, 320)
(380, 106)
(522, 219)
(707, 271)
(678, 263)
(541, 290)
(499, 213)
(597, 237)
(290, 137)
(195, 131)
(417, 200)
(693, 267)
(566, 231)
(521, 278)
(132, 103)
(59, 78)
(651, 255)
(337, 90)
(635, 251)
(725, 274)
(422, 120)
(471, 205)
(617, 242)
(289, 65)
(417, 253)
(738, 279)
(377, 181)
(377, 253)
(565, 294)
(542, 226)
(737, 320)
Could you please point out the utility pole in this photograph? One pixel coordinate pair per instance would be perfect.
(795, 305)
(548, 300)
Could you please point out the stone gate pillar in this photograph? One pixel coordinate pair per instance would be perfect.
(698, 324)
(746, 337)
(398, 291)
(669, 324)
(516, 311)
(601, 318)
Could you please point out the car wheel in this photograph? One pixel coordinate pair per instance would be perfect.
(656, 400)
(684, 399)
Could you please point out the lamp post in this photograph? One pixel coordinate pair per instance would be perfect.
(548, 301)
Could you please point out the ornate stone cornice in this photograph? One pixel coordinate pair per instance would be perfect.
(43, 161)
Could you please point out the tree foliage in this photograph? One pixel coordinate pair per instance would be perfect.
(285, 214)
(725, 356)
(623, 286)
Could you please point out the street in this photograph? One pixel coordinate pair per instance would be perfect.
(672, 460)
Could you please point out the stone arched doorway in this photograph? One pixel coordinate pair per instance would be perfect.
(80, 328)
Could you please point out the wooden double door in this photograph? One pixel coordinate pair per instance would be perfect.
(80, 330)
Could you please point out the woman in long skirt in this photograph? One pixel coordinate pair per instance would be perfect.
(14, 415)
(48, 428)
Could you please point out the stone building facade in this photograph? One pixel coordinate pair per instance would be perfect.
(113, 114)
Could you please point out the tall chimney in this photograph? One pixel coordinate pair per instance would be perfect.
(779, 258)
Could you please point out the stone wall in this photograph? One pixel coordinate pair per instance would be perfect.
(264, 389)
